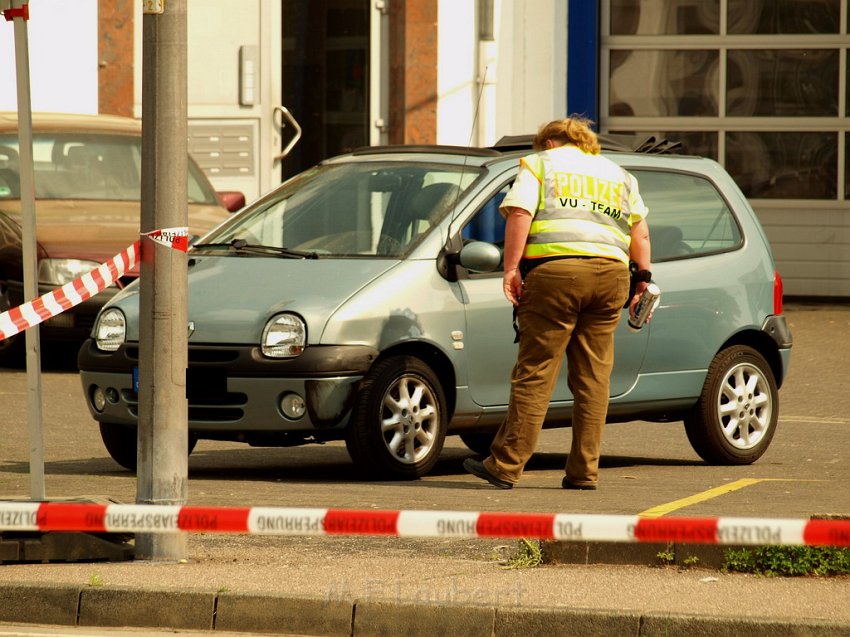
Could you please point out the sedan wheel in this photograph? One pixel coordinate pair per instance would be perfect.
(399, 422)
(12, 348)
(735, 418)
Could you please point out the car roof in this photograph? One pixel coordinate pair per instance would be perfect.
(44, 122)
(624, 149)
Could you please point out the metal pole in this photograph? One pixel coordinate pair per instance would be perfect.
(163, 408)
(32, 341)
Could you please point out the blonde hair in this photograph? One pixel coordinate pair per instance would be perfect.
(575, 130)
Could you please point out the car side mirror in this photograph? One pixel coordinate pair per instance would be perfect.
(480, 256)
(231, 199)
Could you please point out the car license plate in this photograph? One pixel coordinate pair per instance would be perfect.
(200, 383)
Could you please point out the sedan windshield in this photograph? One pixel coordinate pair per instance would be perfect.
(354, 209)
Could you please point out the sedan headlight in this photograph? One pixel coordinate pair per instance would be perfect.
(284, 336)
(110, 329)
(62, 271)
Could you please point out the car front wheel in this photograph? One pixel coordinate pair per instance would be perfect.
(122, 443)
(399, 420)
(11, 348)
(735, 417)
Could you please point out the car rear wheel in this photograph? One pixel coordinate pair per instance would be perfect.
(12, 348)
(735, 417)
(122, 443)
(399, 420)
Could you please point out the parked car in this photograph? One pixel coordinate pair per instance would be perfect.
(87, 189)
(362, 300)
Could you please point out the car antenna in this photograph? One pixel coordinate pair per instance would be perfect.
(466, 156)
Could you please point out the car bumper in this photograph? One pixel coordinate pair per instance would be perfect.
(234, 390)
(776, 327)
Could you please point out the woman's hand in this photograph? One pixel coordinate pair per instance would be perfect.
(512, 285)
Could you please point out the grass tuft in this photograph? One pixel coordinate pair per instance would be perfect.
(788, 561)
(529, 555)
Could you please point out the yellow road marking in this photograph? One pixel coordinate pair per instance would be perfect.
(662, 509)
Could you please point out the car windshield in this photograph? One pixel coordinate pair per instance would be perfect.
(360, 209)
(88, 166)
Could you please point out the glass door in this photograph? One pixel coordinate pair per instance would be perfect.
(325, 78)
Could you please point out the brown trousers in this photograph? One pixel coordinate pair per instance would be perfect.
(568, 305)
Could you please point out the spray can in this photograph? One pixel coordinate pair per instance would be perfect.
(646, 305)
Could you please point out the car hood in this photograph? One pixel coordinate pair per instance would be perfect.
(98, 230)
(231, 298)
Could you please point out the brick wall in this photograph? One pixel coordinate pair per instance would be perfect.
(413, 72)
(115, 57)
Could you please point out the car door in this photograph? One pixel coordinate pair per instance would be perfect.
(698, 263)
(489, 340)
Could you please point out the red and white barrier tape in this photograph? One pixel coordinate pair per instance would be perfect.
(136, 518)
(82, 288)
(175, 238)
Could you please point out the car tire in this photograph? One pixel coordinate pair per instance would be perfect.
(735, 417)
(11, 348)
(122, 443)
(399, 420)
(479, 442)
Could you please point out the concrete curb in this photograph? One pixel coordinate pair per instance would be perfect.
(45, 604)
(222, 611)
(639, 554)
(146, 608)
(270, 614)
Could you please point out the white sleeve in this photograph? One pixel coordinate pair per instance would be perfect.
(525, 192)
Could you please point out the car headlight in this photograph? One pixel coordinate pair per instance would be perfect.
(284, 336)
(62, 271)
(110, 329)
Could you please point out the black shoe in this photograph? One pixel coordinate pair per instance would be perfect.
(566, 484)
(478, 469)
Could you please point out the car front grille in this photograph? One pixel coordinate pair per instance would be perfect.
(197, 355)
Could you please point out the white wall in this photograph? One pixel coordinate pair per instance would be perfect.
(457, 88)
(62, 38)
(532, 58)
(234, 143)
(523, 71)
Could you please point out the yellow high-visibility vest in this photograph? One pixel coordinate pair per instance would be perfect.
(586, 207)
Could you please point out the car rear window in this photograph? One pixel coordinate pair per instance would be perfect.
(688, 217)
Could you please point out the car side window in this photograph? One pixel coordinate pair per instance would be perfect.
(687, 215)
(488, 224)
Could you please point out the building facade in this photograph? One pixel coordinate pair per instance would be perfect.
(762, 86)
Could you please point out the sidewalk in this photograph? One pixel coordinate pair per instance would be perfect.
(395, 586)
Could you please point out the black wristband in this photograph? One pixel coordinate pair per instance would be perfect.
(643, 276)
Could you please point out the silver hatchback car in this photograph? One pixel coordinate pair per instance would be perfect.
(362, 300)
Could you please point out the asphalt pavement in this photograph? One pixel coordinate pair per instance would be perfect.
(398, 586)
